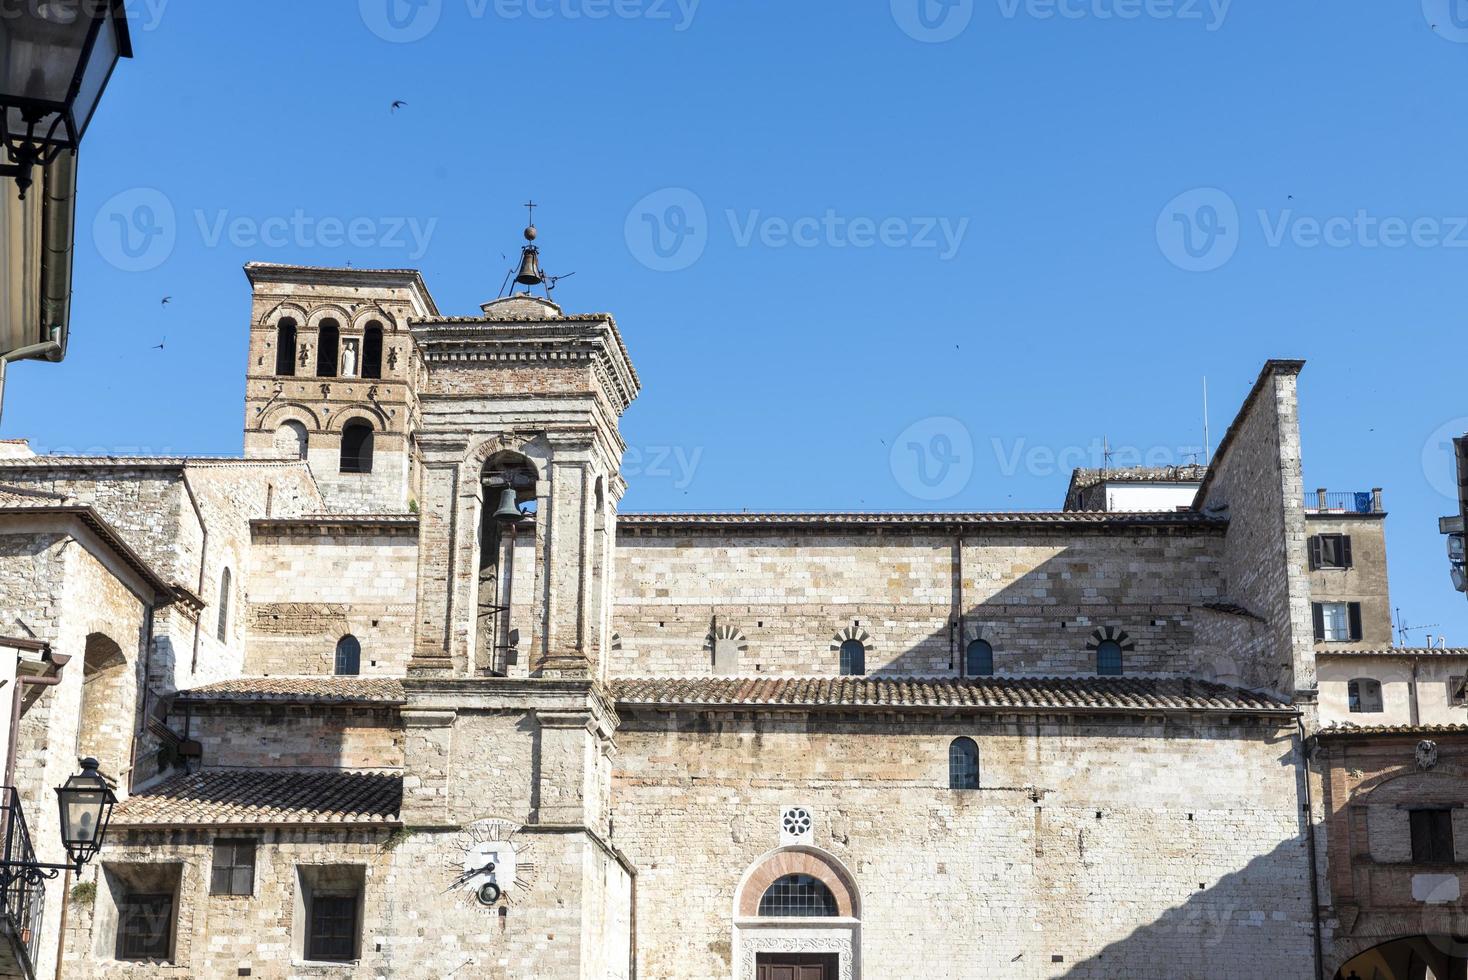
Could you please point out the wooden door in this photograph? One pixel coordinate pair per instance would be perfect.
(790, 966)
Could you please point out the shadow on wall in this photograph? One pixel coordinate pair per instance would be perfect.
(1255, 922)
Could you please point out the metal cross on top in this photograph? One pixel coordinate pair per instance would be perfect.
(530, 205)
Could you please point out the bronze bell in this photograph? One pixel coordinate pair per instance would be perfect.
(508, 511)
(529, 274)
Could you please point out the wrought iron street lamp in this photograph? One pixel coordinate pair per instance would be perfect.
(86, 803)
(56, 57)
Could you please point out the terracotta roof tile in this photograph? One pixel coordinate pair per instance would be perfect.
(987, 693)
(321, 689)
(1349, 729)
(1017, 519)
(266, 796)
(1395, 652)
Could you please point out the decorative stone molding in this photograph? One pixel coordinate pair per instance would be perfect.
(851, 633)
(1119, 636)
(799, 860)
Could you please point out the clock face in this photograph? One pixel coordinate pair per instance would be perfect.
(489, 866)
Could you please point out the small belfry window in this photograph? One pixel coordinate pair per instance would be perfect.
(798, 895)
(963, 764)
(357, 448)
(222, 628)
(285, 347)
(853, 658)
(372, 350)
(1108, 658)
(327, 341)
(978, 659)
(1363, 696)
(348, 656)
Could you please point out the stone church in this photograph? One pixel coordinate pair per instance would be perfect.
(401, 692)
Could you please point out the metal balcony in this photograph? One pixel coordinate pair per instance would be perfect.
(1324, 501)
(22, 902)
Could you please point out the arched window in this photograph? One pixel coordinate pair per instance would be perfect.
(357, 447)
(223, 626)
(348, 656)
(798, 895)
(1364, 695)
(372, 350)
(285, 347)
(963, 764)
(978, 659)
(853, 658)
(1108, 658)
(291, 440)
(326, 345)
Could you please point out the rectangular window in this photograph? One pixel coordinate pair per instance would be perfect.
(144, 927)
(1337, 622)
(1432, 836)
(331, 933)
(1457, 691)
(1330, 551)
(234, 868)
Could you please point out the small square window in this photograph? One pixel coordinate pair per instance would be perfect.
(1330, 551)
(1432, 836)
(1457, 691)
(234, 868)
(1363, 696)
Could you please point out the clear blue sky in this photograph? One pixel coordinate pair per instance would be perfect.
(1047, 138)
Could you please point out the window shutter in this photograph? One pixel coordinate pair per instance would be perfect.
(1314, 552)
(1345, 551)
(1354, 609)
(1319, 612)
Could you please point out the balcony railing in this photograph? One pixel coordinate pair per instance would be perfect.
(1344, 501)
(22, 901)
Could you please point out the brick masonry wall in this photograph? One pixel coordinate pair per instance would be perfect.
(1095, 849)
(1038, 599)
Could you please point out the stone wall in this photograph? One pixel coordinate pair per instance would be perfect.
(1255, 481)
(290, 736)
(314, 584)
(1094, 848)
(789, 599)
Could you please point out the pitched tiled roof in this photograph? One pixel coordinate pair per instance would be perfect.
(321, 689)
(1348, 729)
(994, 519)
(266, 796)
(1395, 652)
(987, 693)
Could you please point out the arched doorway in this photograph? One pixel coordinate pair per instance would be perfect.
(1410, 958)
(797, 913)
(104, 729)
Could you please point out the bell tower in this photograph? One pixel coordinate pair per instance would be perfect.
(330, 378)
(517, 427)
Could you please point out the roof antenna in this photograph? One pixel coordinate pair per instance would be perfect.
(1207, 446)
